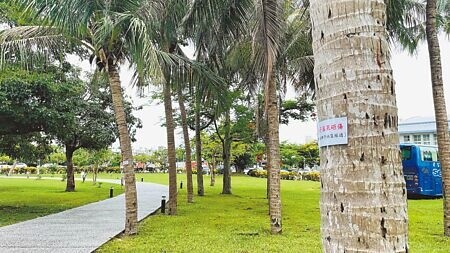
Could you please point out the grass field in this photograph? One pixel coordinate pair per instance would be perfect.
(24, 199)
(239, 223)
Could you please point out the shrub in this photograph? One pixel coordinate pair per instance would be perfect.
(312, 176)
(252, 173)
(31, 170)
(61, 171)
(112, 169)
(261, 173)
(288, 175)
(4, 170)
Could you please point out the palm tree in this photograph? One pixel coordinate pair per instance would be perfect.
(169, 18)
(439, 106)
(267, 37)
(170, 128)
(187, 146)
(113, 32)
(363, 196)
(215, 27)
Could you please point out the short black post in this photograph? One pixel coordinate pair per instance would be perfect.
(163, 204)
(111, 192)
(142, 179)
(181, 185)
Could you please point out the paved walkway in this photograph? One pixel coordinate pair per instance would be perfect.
(81, 229)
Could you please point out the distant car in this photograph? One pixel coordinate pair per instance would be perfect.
(48, 165)
(205, 169)
(21, 165)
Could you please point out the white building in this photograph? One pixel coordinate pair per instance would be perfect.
(418, 130)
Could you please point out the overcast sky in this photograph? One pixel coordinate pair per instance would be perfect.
(414, 98)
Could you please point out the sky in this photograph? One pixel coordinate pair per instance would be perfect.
(413, 87)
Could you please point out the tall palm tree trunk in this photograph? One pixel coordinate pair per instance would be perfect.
(440, 110)
(126, 151)
(198, 145)
(187, 147)
(212, 172)
(226, 187)
(363, 196)
(70, 184)
(266, 167)
(273, 166)
(170, 147)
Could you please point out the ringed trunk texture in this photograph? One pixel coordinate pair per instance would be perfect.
(266, 143)
(126, 151)
(70, 185)
(273, 158)
(363, 196)
(440, 110)
(226, 188)
(187, 147)
(170, 148)
(198, 146)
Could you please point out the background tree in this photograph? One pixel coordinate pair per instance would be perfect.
(159, 158)
(76, 114)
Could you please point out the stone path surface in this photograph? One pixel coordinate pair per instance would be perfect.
(81, 229)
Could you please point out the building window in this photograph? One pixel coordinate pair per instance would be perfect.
(434, 139)
(426, 139)
(406, 138)
(417, 139)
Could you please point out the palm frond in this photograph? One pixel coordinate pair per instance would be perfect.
(221, 21)
(266, 38)
(71, 17)
(405, 22)
(26, 44)
(301, 73)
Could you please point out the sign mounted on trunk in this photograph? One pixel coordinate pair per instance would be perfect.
(332, 132)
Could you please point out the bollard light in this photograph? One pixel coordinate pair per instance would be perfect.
(111, 192)
(181, 184)
(163, 204)
(142, 179)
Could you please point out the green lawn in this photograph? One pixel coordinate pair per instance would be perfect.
(239, 223)
(24, 199)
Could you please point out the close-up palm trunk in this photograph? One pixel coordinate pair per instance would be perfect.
(274, 162)
(363, 197)
(126, 151)
(440, 110)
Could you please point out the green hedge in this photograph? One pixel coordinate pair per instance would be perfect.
(286, 175)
